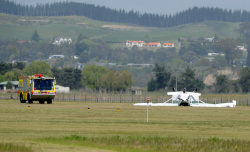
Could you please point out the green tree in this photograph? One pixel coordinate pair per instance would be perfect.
(198, 48)
(244, 30)
(151, 85)
(81, 37)
(222, 84)
(187, 80)
(19, 65)
(17, 74)
(77, 79)
(35, 36)
(162, 76)
(228, 46)
(82, 45)
(91, 76)
(109, 80)
(9, 85)
(38, 67)
(135, 48)
(10, 76)
(248, 55)
(57, 73)
(219, 61)
(177, 63)
(125, 80)
(244, 79)
(189, 56)
(68, 78)
(2, 78)
(5, 67)
(116, 81)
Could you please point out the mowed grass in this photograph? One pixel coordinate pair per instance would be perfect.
(70, 126)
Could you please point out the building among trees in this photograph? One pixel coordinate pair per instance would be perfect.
(140, 43)
(62, 40)
(4, 85)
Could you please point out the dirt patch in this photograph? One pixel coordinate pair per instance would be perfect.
(81, 23)
(24, 20)
(125, 27)
(230, 73)
(225, 72)
(209, 80)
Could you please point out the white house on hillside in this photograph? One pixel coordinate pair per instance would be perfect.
(215, 54)
(210, 39)
(242, 48)
(135, 43)
(130, 43)
(212, 55)
(168, 45)
(61, 40)
(56, 57)
(154, 44)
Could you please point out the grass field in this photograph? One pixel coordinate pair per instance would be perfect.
(70, 126)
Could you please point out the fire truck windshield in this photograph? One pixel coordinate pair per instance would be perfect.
(43, 84)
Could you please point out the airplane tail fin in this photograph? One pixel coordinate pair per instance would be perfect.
(234, 103)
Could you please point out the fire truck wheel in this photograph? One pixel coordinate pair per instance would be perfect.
(49, 101)
(21, 99)
(29, 100)
(41, 101)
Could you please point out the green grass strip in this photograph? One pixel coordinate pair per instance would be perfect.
(153, 143)
(10, 147)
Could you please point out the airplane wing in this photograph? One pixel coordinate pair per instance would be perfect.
(195, 95)
(174, 95)
(155, 104)
(233, 104)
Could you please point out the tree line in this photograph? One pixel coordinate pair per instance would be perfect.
(102, 13)
(101, 78)
(164, 79)
(93, 76)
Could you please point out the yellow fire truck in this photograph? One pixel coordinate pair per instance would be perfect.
(36, 88)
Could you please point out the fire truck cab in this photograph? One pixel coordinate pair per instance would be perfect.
(36, 88)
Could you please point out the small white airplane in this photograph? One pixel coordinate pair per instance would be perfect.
(183, 98)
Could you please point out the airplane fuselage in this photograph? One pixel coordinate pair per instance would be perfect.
(184, 103)
(184, 99)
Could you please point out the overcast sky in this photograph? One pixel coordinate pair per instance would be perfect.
(156, 6)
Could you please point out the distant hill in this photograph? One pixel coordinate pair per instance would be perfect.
(22, 28)
(101, 13)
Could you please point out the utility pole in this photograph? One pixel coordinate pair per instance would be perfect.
(176, 80)
(148, 99)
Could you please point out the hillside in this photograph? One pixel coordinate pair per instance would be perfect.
(22, 27)
(191, 15)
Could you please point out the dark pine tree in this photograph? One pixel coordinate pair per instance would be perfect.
(248, 55)
(35, 36)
